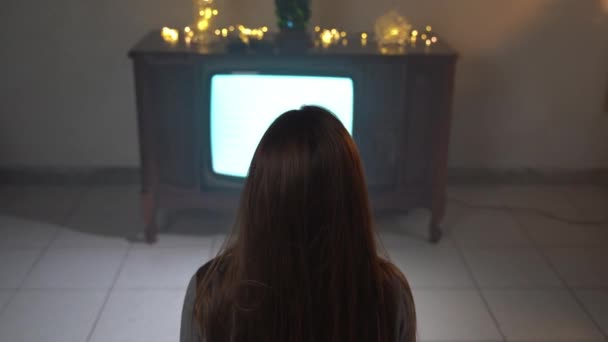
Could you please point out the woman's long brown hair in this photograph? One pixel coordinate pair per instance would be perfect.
(302, 264)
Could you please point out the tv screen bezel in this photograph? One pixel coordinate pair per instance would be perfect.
(212, 181)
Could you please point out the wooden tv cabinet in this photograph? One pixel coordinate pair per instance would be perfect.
(402, 98)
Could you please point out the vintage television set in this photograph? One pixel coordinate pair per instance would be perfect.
(202, 110)
(243, 104)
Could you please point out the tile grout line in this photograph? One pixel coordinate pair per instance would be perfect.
(479, 291)
(459, 249)
(48, 245)
(109, 293)
(9, 204)
(571, 291)
(10, 298)
(76, 205)
(44, 249)
(577, 208)
(111, 288)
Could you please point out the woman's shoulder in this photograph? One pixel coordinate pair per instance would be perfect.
(202, 271)
(393, 275)
(401, 295)
(212, 269)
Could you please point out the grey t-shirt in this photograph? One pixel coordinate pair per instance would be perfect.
(190, 331)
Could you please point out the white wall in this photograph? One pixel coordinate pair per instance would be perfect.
(531, 82)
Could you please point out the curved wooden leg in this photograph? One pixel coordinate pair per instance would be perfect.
(435, 232)
(149, 213)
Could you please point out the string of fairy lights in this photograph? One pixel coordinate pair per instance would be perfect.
(201, 32)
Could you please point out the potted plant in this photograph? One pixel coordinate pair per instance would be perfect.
(293, 17)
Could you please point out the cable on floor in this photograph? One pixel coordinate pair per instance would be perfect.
(540, 212)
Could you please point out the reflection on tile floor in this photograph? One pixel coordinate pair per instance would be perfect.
(498, 275)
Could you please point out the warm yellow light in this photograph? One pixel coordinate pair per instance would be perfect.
(224, 32)
(423, 36)
(265, 29)
(363, 35)
(317, 29)
(208, 13)
(343, 34)
(188, 39)
(429, 28)
(415, 33)
(326, 37)
(246, 34)
(434, 39)
(201, 13)
(216, 12)
(363, 42)
(203, 25)
(169, 35)
(334, 31)
(188, 33)
(218, 32)
(428, 42)
(392, 29)
(345, 42)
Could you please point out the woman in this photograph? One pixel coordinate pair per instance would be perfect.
(302, 264)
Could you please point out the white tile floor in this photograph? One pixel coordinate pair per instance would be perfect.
(67, 273)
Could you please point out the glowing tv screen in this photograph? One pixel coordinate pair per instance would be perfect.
(243, 106)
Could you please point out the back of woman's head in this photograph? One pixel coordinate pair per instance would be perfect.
(302, 264)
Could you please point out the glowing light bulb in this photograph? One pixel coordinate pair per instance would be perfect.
(208, 13)
(317, 29)
(423, 36)
(231, 28)
(169, 35)
(415, 33)
(326, 37)
(429, 28)
(265, 29)
(218, 32)
(224, 32)
(434, 39)
(394, 31)
(216, 12)
(188, 34)
(428, 42)
(343, 34)
(363, 35)
(203, 24)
